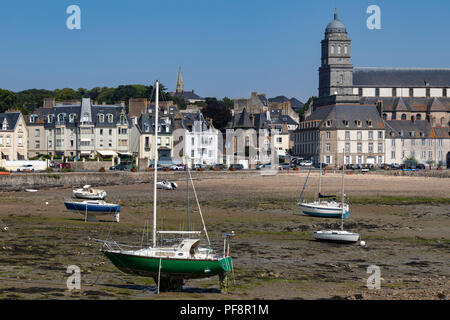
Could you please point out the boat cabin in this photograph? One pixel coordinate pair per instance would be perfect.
(188, 247)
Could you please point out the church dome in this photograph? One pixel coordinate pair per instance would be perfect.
(336, 25)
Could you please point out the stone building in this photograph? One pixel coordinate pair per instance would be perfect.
(412, 105)
(257, 103)
(82, 130)
(253, 139)
(202, 140)
(13, 136)
(358, 129)
(418, 140)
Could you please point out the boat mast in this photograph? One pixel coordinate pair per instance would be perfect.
(188, 208)
(342, 200)
(155, 162)
(320, 161)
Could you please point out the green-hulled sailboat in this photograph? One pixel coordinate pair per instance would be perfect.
(170, 265)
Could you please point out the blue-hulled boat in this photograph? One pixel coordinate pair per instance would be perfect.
(91, 208)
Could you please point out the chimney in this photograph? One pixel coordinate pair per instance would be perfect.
(380, 107)
(49, 102)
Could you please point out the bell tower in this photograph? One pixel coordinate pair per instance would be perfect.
(336, 70)
(180, 84)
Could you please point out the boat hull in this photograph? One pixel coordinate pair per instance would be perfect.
(90, 196)
(97, 208)
(170, 267)
(322, 211)
(336, 236)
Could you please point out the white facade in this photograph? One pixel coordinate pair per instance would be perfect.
(202, 144)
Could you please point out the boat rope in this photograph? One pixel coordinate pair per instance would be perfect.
(304, 185)
(199, 209)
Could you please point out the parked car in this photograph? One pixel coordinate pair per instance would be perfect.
(306, 163)
(26, 168)
(217, 166)
(324, 165)
(285, 166)
(120, 167)
(236, 166)
(160, 167)
(395, 166)
(198, 166)
(385, 166)
(64, 165)
(177, 167)
(263, 166)
(420, 166)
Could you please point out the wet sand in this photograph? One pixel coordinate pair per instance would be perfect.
(274, 254)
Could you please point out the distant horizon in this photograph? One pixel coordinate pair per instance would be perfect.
(226, 48)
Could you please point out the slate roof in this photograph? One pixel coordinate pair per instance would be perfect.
(171, 110)
(340, 114)
(188, 95)
(441, 132)
(12, 118)
(335, 26)
(285, 119)
(189, 120)
(295, 103)
(398, 77)
(411, 104)
(242, 120)
(403, 129)
(146, 124)
(41, 115)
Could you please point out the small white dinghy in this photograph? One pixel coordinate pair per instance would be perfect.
(340, 236)
(31, 190)
(166, 185)
(89, 193)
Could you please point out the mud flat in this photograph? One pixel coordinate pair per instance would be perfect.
(405, 222)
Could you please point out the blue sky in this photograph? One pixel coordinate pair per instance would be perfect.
(225, 47)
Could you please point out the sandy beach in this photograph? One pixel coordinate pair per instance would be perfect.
(274, 254)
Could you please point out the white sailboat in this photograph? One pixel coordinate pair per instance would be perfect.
(87, 192)
(321, 207)
(341, 235)
(170, 265)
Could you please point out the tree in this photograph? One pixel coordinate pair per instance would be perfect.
(7, 99)
(30, 99)
(180, 102)
(83, 93)
(65, 94)
(218, 112)
(306, 106)
(94, 92)
(106, 96)
(228, 102)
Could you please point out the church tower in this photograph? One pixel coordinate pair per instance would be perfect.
(336, 70)
(180, 84)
